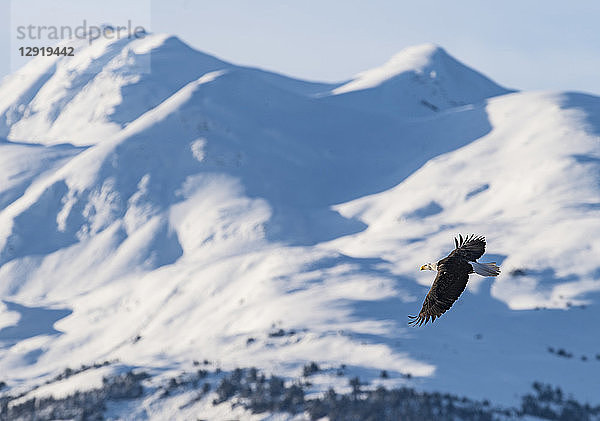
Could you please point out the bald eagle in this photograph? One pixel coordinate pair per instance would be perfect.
(452, 276)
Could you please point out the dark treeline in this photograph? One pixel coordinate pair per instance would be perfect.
(259, 394)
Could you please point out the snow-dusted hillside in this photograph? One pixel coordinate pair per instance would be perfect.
(211, 211)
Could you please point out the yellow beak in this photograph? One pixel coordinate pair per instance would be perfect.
(424, 267)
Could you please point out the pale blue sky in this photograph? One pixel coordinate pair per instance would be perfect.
(520, 44)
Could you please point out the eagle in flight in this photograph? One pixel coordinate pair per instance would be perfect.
(452, 276)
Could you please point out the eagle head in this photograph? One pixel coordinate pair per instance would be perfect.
(429, 266)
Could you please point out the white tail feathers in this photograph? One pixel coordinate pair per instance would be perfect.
(486, 269)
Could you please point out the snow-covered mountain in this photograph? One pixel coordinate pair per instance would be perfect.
(160, 206)
(416, 82)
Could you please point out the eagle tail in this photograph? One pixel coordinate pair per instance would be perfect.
(486, 269)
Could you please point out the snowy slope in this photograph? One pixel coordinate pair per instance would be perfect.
(22, 163)
(532, 186)
(215, 205)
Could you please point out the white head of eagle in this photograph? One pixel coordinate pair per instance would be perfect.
(429, 266)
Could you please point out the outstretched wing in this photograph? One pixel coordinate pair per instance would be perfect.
(470, 247)
(445, 290)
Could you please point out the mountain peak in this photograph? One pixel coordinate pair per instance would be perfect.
(411, 59)
(415, 56)
(105, 86)
(417, 81)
